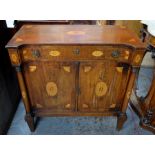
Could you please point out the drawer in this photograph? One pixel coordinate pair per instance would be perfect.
(58, 53)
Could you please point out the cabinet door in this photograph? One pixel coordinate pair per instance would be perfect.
(102, 85)
(51, 85)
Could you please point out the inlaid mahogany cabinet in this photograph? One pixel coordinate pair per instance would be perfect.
(75, 70)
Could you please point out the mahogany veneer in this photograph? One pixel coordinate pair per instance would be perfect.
(75, 70)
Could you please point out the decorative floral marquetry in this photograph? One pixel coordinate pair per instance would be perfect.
(137, 58)
(113, 105)
(128, 94)
(51, 88)
(132, 40)
(101, 89)
(39, 105)
(19, 40)
(127, 53)
(23, 94)
(14, 58)
(119, 69)
(97, 53)
(54, 53)
(76, 32)
(68, 106)
(25, 55)
(87, 69)
(32, 68)
(67, 68)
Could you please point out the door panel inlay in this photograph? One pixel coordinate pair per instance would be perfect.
(67, 68)
(137, 58)
(68, 106)
(84, 105)
(51, 88)
(101, 89)
(127, 53)
(87, 68)
(119, 69)
(32, 68)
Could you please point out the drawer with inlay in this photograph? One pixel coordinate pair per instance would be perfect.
(75, 53)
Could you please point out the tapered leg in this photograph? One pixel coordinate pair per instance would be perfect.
(121, 118)
(30, 121)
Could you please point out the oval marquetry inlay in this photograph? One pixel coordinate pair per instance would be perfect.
(97, 53)
(101, 89)
(137, 58)
(54, 53)
(51, 88)
(67, 68)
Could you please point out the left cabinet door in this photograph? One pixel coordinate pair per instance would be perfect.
(51, 85)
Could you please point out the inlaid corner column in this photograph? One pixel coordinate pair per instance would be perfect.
(122, 117)
(29, 116)
(23, 89)
(16, 63)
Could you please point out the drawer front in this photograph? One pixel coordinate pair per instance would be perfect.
(58, 53)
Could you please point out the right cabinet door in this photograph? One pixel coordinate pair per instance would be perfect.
(102, 85)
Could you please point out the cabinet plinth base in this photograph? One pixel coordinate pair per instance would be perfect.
(121, 118)
(29, 118)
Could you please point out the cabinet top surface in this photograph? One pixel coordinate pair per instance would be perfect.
(74, 34)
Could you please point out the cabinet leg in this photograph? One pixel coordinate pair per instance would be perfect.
(121, 118)
(30, 121)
